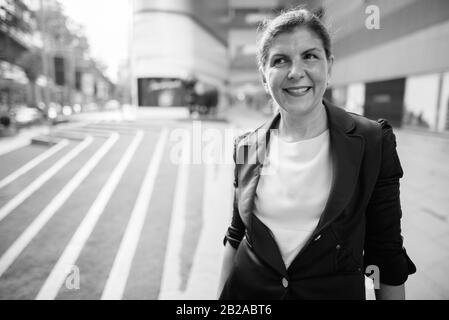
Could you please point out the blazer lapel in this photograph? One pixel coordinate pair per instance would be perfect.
(251, 155)
(347, 151)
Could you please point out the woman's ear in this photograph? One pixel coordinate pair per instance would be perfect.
(330, 63)
(264, 80)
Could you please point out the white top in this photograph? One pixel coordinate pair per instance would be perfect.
(293, 190)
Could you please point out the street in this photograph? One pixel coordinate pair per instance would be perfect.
(99, 202)
(116, 207)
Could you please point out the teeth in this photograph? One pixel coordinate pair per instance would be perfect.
(298, 90)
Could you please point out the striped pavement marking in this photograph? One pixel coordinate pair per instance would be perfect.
(204, 276)
(72, 251)
(118, 276)
(33, 163)
(206, 266)
(95, 132)
(36, 184)
(107, 126)
(171, 275)
(33, 229)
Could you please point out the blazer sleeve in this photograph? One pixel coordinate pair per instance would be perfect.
(236, 230)
(383, 241)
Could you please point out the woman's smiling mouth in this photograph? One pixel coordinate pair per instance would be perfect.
(297, 91)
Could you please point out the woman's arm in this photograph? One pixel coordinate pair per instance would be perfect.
(234, 233)
(383, 240)
(228, 260)
(388, 292)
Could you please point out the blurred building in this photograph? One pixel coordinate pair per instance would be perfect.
(173, 41)
(71, 75)
(391, 60)
(45, 61)
(390, 56)
(17, 23)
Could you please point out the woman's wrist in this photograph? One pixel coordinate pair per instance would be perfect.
(389, 292)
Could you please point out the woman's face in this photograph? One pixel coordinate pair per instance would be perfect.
(297, 71)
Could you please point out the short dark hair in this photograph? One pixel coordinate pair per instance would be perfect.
(286, 22)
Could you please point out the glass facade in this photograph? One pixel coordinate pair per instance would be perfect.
(443, 114)
(161, 92)
(355, 98)
(421, 101)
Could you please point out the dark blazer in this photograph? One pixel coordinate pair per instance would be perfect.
(360, 225)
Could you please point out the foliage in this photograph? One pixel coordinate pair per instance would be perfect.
(61, 31)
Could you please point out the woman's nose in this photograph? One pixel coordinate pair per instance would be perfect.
(296, 71)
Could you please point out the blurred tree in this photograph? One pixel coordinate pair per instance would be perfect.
(61, 31)
(31, 63)
(56, 27)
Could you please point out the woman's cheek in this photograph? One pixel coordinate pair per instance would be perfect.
(275, 78)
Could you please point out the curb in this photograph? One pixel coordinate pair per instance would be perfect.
(45, 140)
(21, 139)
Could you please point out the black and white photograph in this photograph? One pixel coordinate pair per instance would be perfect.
(236, 151)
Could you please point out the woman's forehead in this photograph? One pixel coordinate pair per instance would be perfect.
(300, 39)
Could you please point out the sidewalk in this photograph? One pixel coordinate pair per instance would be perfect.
(21, 138)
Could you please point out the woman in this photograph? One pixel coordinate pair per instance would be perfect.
(316, 188)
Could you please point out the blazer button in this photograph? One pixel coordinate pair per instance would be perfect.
(338, 247)
(285, 282)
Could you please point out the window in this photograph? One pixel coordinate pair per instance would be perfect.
(59, 71)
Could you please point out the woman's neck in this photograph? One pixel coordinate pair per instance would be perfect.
(301, 127)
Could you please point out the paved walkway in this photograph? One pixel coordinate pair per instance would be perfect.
(22, 139)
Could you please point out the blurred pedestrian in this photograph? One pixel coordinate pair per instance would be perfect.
(191, 94)
(316, 188)
(210, 100)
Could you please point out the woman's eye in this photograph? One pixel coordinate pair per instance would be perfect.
(310, 56)
(279, 61)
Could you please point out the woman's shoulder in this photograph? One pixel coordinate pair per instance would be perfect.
(377, 133)
(380, 127)
(240, 139)
(251, 136)
(250, 140)
(350, 121)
